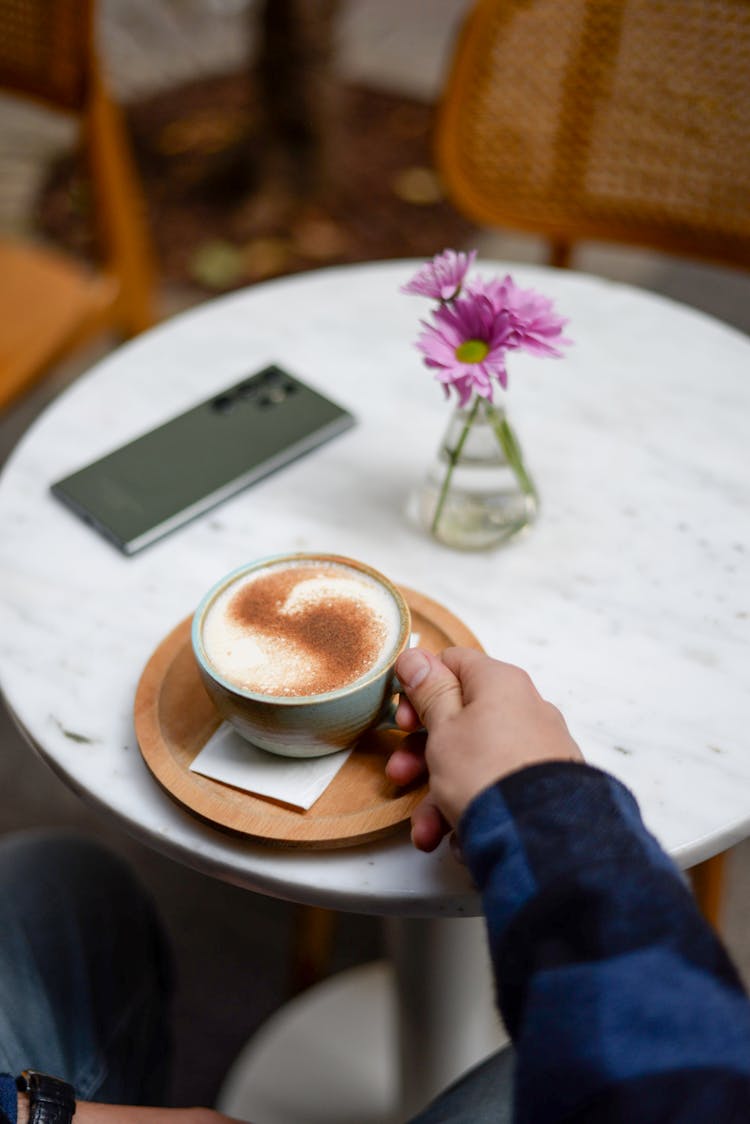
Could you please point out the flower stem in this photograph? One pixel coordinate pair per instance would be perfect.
(512, 450)
(453, 458)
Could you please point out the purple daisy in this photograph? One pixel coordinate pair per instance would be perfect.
(466, 346)
(537, 328)
(442, 277)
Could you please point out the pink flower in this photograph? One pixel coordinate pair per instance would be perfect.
(466, 346)
(536, 326)
(442, 277)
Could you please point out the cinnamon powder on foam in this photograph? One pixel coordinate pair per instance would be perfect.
(323, 644)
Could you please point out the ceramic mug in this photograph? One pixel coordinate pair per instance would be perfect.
(307, 724)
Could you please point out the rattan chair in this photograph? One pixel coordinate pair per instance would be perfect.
(49, 303)
(615, 120)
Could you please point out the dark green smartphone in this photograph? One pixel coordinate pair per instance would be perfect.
(154, 484)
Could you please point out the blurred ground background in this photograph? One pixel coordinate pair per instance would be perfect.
(183, 70)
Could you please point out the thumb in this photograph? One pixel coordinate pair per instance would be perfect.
(432, 689)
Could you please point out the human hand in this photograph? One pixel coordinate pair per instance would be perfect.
(88, 1112)
(484, 719)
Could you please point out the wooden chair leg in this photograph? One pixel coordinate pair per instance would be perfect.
(560, 253)
(121, 212)
(708, 882)
(312, 944)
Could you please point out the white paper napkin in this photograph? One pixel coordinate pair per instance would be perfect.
(299, 781)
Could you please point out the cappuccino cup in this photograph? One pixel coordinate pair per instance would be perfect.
(297, 650)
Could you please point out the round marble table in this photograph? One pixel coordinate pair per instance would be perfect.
(628, 601)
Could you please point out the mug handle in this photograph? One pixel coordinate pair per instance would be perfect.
(388, 715)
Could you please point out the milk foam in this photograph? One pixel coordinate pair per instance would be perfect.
(301, 628)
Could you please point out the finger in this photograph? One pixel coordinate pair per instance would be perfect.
(472, 668)
(406, 716)
(432, 689)
(406, 764)
(428, 826)
(480, 674)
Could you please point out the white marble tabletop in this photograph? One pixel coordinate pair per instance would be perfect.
(628, 601)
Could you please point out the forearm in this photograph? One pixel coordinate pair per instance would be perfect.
(610, 983)
(88, 1112)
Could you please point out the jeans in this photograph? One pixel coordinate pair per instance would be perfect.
(484, 1095)
(85, 980)
(84, 973)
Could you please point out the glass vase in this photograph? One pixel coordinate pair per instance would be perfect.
(478, 492)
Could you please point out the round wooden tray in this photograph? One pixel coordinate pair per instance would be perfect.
(174, 718)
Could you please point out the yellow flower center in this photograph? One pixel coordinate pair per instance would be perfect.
(471, 351)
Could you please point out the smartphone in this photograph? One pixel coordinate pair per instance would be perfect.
(159, 481)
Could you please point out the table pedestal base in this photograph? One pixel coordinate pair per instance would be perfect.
(332, 1056)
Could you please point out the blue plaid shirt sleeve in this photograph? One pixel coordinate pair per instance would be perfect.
(622, 1004)
(8, 1099)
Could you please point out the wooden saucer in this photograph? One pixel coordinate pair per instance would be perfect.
(174, 718)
